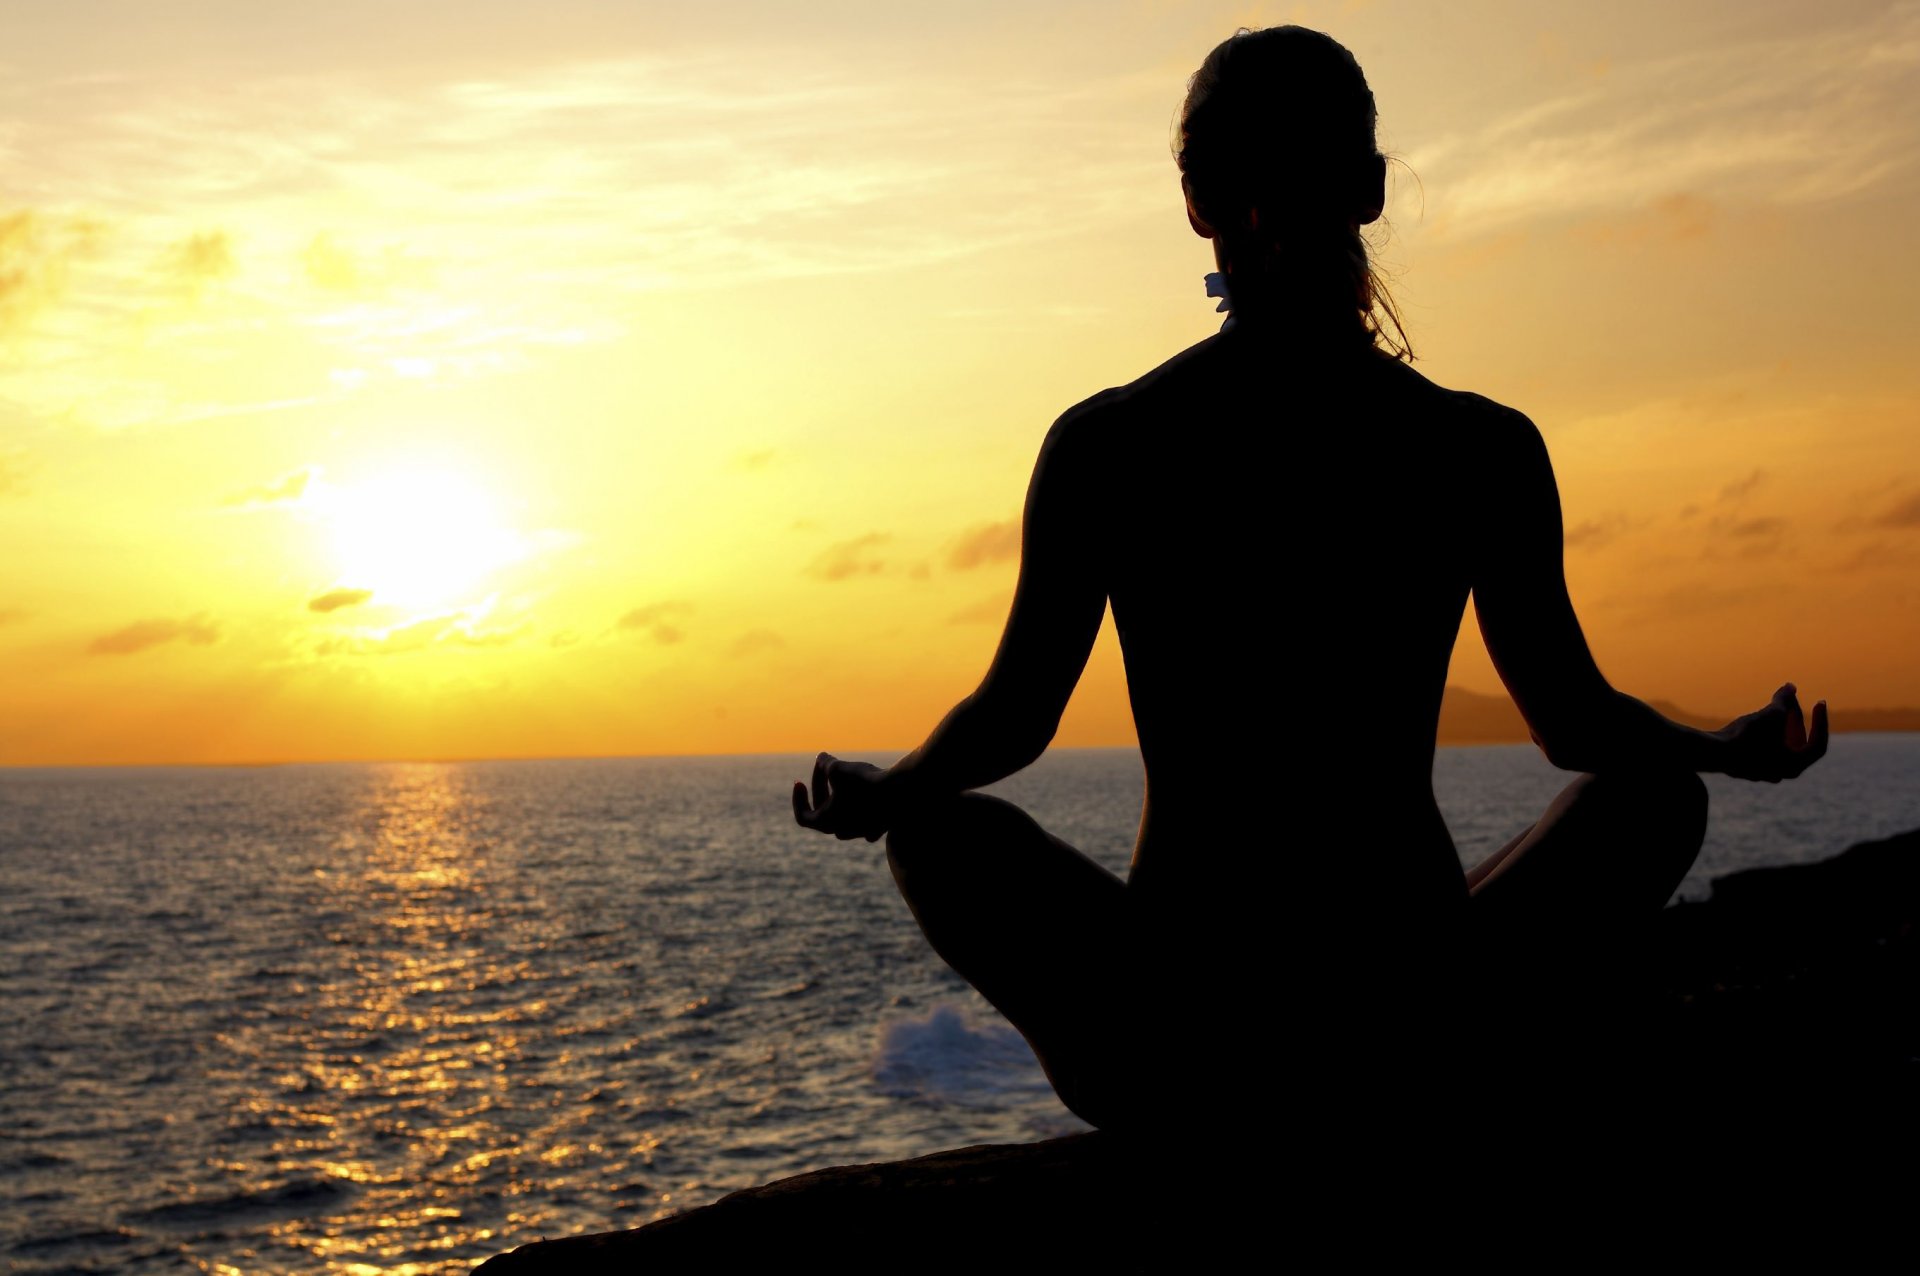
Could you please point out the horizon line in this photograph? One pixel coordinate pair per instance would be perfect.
(452, 760)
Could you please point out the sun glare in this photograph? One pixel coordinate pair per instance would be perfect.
(416, 537)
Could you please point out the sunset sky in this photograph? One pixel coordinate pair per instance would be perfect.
(479, 379)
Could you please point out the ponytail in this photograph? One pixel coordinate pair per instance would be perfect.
(1277, 154)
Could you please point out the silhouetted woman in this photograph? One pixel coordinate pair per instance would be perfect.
(1287, 521)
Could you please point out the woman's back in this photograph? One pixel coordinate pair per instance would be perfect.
(1288, 538)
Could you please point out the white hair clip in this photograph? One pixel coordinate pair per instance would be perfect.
(1217, 287)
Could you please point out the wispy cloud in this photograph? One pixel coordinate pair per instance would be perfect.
(659, 621)
(1747, 528)
(379, 217)
(850, 558)
(1905, 513)
(1742, 487)
(201, 258)
(451, 630)
(990, 610)
(144, 634)
(286, 488)
(1881, 555)
(755, 641)
(37, 252)
(1594, 533)
(1695, 598)
(336, 599)
(987, 543)
(1791, 121)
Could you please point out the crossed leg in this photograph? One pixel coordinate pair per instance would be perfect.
(1028, 920)
(1560, 919)
(1043, 932)
(1609, 846)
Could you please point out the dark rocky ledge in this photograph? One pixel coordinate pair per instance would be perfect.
(1800, 980)
(933, 1211)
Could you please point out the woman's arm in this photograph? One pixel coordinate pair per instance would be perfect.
(1058, 603)
(1580, 722)
(1007, 721)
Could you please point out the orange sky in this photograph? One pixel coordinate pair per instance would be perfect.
(468, 380)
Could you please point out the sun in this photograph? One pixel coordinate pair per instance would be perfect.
(417, 537)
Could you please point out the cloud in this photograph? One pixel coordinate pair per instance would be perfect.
(657, 621)
(202, 258)
(143, 634)
(1822, 115)
(287, 488)
(1741, 487)
(395, 206)
(36, 252)
(1698, 599)
(755, 641)
(1760, 536)
(1751, 527)
(990, 610)
(467, 635)
(1882, 556)
(987, 543)
(1593, 533)
(849, 558)
(459, 629)
(1678, 218)
(1904, 514)
(335, 599)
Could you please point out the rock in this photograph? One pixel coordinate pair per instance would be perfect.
(1784, 981)
(1067, 1196)
(1803, 967)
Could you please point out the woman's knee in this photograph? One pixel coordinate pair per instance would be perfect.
(1670, 791)
(1665, 807)
(948, 834)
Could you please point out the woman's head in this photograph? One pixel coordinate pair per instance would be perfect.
(1280, 169)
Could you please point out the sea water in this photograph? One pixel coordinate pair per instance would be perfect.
(367, 1018)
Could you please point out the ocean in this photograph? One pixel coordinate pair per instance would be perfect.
(398, 1017)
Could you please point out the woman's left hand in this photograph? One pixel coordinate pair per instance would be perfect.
(848, 800)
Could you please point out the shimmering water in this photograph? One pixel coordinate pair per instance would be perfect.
(400, 1017)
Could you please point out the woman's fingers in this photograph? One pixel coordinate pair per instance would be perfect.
(803, 811)
(1796, 726)
(1815, 746)
(841, 801)
(822, 785)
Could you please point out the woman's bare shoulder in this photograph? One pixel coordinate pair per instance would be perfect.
(1108, 408)
(1494, 430)
(1465, 405)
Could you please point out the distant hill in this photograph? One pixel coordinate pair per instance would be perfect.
(1468, 717)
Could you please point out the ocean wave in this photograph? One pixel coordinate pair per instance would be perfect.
(301, 1197)
(945, 1058)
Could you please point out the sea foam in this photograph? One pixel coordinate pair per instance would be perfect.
(947, 1058)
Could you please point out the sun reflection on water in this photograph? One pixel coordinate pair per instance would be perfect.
(407, 1041)
(400, 1018)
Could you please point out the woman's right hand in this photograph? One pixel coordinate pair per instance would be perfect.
(1773, 744)
(849, 800)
